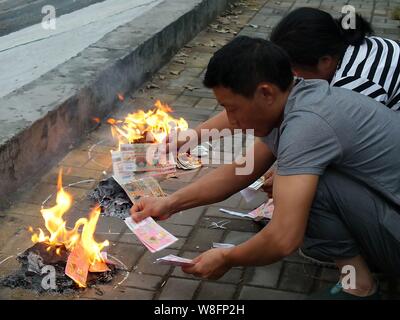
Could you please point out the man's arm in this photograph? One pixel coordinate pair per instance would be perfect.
(223, 181)
(293, 196)
(213, 187)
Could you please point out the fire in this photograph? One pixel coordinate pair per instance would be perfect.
(153, 125)
(59, 235)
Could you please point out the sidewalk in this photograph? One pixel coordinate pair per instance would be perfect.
(180, 86)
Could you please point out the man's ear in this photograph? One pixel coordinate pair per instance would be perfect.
(326, 64)
(266, 92)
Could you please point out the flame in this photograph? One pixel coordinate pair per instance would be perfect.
(59, 235)
(153, 125)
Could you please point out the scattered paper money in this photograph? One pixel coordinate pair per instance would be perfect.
(138, 188)
(264, 211)
(186, 162)
(222, 245)
(119, 168)
(202, 150)
(256, 185)
(235, 213)
(77, 267)
(139, 157)
(151, 234)
(175, 261)
(248, 194)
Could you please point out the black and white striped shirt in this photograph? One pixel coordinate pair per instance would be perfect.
(373, 69)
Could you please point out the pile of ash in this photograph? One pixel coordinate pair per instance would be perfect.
(112, 199)
(35, 263)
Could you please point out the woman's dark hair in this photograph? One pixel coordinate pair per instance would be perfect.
(307, 34)
(245, 62)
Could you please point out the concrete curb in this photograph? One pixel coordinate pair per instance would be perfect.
(40, 121)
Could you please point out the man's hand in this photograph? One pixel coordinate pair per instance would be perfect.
(212, 264)
(269, 182)
(158, 208)
(173, 142)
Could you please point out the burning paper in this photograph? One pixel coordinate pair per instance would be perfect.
(151, 126)
(78, 266)
(85, 251)
(151, 234)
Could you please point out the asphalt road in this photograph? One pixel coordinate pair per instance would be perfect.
(28, 53)
(19, 14)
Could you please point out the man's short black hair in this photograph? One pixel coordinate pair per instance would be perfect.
(245, 62)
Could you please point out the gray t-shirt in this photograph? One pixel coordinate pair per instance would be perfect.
(326, 126)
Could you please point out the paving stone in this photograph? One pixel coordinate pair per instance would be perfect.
(14, 224)
(255, 293)
(179, 289)
(213, 211)
(143, 281)
(127, 253)
(172, 185)
(233, 276)
(202, 239)
(297, 277)
(121, 293)
(216, 291)
(237, 237)
(231, 202)
(127, 236)
(295, 257)
(265, 276)
(176, 229)
(259, 199)
(98, 161)
(187, 217)
(146, 264)
(245, 225)
(206, 103)
(188, 176)
(328, 274)
(186, 101)
(75, 158)
(178, 244)
(23, 208)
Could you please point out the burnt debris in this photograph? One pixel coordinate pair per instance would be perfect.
(112, 199)
(35, 263)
